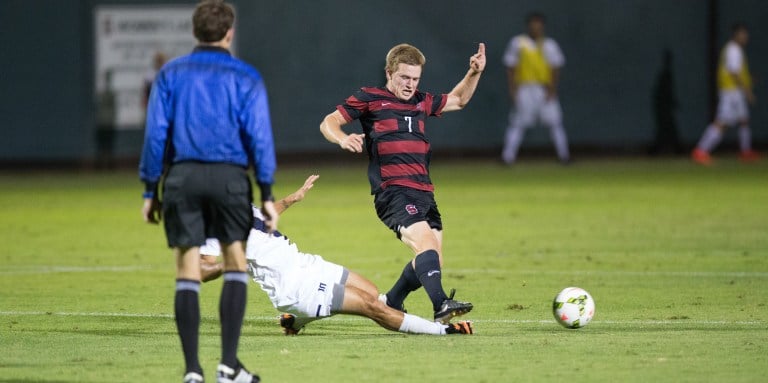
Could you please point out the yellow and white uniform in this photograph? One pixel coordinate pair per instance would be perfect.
(732, 105)
(302, 284)
(532, 62)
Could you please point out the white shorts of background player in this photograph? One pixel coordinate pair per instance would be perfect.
(732, 108)
(533, 108)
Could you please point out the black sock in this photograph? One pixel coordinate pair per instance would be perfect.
(407, 282)
(430, 276)
(187, 311)
(231, 312)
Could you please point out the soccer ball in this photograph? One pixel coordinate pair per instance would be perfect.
(573, 307)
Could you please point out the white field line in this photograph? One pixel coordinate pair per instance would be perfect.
(23, 270)
(649, 322)
(651, 273)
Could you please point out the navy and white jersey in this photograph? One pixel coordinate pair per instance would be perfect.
(259, 224)
(287, 275)
(395, 135)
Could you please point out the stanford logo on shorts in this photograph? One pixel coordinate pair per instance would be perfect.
(411, 209)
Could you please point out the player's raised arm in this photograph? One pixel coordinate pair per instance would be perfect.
(296, 196)
(331, 129)
(462, 93)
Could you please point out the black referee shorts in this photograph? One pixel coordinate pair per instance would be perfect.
(206, 200)
(402, 207)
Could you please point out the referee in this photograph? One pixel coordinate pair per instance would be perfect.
(208, 120)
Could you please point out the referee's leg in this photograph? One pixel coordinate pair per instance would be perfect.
(187, 304)
(232, 301)
(230, 204)
(184, 230)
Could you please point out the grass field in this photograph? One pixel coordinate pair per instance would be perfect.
(676, 257)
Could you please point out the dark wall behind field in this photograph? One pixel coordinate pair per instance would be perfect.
(313, 54)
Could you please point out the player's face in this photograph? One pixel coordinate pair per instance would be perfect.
(742, 37)
(404, 82)
(536, 28)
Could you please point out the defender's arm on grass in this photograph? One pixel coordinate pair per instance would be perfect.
(210, 269)
(462, 93)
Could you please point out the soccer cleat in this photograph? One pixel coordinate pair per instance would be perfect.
(226, 374)
(286, 322)
(193, 377)
(701, 157)
(451, 308)
(461, 327)
(749, 156)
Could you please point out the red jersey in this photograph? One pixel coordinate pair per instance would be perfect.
(395, 138)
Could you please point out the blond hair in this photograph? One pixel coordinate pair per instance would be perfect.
(403, 54)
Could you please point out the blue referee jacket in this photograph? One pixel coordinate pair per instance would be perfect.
(208, 107)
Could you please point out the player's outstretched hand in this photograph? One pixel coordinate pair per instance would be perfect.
(353, 143)
(152, 210)
(298, 195)
(477, 61)
(270, 215)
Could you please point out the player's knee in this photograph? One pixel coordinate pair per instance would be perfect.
(373, 308)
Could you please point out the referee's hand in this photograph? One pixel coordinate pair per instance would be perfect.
(270, 215)
(152, 210)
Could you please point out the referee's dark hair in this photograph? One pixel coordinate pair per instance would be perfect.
(211, 20)
(738, 27)
(535, 16)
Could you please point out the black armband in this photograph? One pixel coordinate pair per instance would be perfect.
(266, 192)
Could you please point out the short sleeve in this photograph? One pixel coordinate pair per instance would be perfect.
(733, 58)
(511, 55)
(354, 106)
(553, 54)
(437, 104)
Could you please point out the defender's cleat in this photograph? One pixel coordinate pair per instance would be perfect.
(286, 322)
(749, 156)
(226, 374)
(193, 377)
(460, 327)
(701, 157)
(451, 308)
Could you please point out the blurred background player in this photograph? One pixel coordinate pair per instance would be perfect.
(208, 116)
(533, 64)
(734, 83)
(158, 60)
(393, 120)
(308, 288)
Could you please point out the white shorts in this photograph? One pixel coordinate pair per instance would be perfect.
(532, 107)
(302, 284)
(321, 293)
(732, 107)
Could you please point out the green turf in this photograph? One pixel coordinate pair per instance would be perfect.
(676, 257)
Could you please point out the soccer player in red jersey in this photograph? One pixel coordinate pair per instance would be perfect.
(393, 120)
